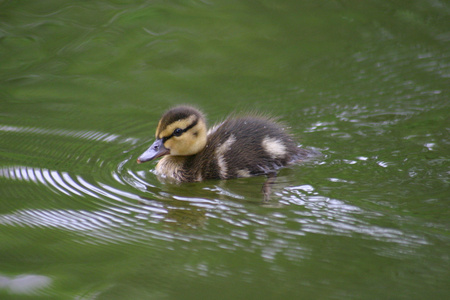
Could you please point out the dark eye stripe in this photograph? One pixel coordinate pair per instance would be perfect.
(184, 130)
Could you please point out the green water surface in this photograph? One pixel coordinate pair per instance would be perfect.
(83, 84)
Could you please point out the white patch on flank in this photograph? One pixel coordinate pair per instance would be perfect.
(274, 147)
(243, 173)
(220, 151)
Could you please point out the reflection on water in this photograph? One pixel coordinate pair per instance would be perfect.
(124, 216)
(24, 284)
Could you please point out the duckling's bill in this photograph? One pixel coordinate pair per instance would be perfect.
(157, 149)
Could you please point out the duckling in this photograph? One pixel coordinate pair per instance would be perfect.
(240, 146)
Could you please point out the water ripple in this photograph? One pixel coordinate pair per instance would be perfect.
(25, 284)
(87, 135)
(124, 212)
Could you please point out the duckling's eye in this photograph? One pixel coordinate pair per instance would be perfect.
(177, 132)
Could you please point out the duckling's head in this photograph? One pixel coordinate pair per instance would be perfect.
(180, 132)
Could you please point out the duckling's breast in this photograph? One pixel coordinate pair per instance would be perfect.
(172, 167)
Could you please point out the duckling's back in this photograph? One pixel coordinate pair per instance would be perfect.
(243, 147)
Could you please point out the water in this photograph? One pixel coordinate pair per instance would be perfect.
(82, 86)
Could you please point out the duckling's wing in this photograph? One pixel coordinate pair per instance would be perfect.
(246, 146)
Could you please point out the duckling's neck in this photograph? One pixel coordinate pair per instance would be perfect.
(172, 166)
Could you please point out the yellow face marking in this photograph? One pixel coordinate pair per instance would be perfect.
(184, 123)
(190, 142)
(158, 129)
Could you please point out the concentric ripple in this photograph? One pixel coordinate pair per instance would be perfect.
(111, 199)
(125, 212)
